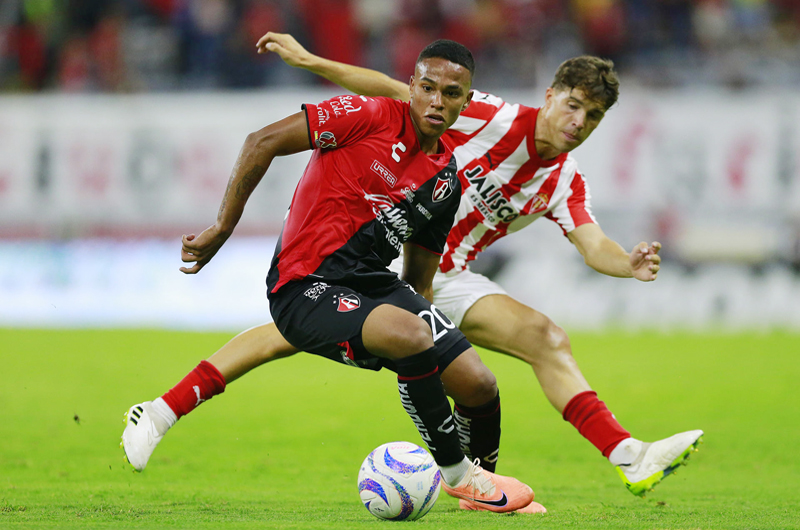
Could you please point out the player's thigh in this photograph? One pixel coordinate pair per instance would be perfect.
(393, 332)
(448, 341)
(502, 324)
(455, 295)
(264, 342)
(325, 320)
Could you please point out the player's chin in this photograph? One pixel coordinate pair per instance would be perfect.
(569, 145)
(430, 132)
(434, 127)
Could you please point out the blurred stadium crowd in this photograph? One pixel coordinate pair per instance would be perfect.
(157, 45)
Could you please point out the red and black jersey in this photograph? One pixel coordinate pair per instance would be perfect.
(367, 189)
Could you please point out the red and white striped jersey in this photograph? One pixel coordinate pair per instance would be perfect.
(506, 185)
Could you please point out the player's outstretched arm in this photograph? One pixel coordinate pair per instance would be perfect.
(353, 78)
(285, 137)
(605, 255)
(419, 268)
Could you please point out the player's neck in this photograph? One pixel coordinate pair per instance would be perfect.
(544, 148)
(427, 144)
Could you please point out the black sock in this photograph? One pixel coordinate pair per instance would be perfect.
(423, 398)
(479, 432)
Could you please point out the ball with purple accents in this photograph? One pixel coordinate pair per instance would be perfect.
(399, 481)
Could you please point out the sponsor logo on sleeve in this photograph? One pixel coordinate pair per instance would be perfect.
(324, 139)
(322, 116)
(384, 173)
(344, 105)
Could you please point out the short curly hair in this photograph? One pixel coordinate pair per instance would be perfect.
(595, 76)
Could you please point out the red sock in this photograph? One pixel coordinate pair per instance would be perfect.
(201, 384)
(595, 422)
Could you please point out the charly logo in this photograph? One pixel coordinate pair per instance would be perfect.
(442, 190)
(348, 303)
(395, 147)
(324, 139)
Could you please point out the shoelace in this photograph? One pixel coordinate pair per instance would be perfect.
(478, 481)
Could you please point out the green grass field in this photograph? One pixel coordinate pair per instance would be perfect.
(282, 446)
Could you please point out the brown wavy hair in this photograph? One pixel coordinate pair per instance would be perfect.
(595, 76)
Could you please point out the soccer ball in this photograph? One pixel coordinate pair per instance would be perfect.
(399, 481)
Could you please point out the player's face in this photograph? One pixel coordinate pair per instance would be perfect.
(568, 118)
(439, 92)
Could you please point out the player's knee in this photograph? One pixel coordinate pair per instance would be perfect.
(417, 335)
(545, 340)
(557, 339)
(485, 388)
(406, 335)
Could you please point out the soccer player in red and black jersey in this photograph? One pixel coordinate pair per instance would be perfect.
(379, 181)
(516, 166)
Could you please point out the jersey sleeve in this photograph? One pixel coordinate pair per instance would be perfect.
(343, 120)
(575, 208)
(480, 111)
(433, 236)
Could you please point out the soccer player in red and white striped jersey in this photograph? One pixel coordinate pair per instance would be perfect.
(515, 167)
(507, 184)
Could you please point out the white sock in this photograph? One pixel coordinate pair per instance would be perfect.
(626, 452)
(163, 416)
(452, 475)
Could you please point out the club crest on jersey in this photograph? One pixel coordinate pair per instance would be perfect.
(540, 201)
(348, 303)
(442, 190)
(324, 139)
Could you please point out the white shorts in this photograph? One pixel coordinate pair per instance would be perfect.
(456, 293)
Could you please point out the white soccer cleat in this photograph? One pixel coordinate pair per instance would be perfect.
(140, 437)
(658, 460)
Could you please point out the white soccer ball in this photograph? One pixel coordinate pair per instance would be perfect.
(399, 481)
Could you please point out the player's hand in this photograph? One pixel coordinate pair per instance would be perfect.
(285, 46)
(200, 249)
(645, 261)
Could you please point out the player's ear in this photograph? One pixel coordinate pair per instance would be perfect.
(467, 102)
(548, 95)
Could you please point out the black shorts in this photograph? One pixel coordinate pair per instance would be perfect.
(326, 320)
